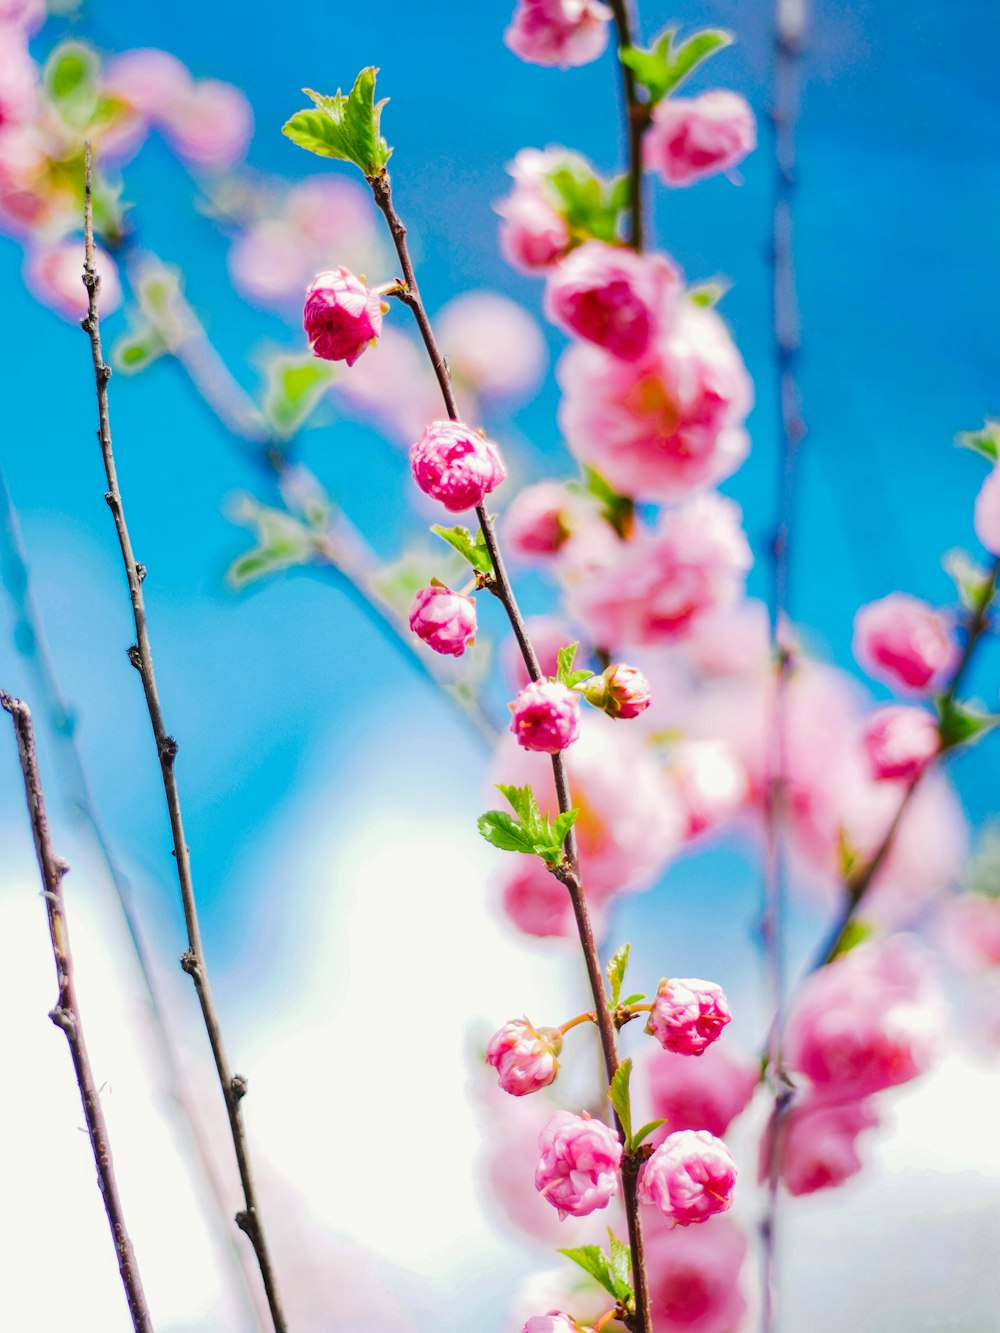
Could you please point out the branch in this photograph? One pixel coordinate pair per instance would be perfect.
(637, 119)
(66, 1014)
(141, 656)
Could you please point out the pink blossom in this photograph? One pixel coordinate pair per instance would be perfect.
(559, 32)
(707, 1093)
(694, 1276)
(210, 126)
(709, 781)
(537, 904)
(18, 80)
(494, 347)
(534, 524)
(524, 1057)
(987, 512)
(342, 316)
(904, 642)
(444, 620)
(456, 465)
(689, 1177)
(265, 261)
(331, 213)
(533, 232)
(150, 81)
(620, 691)
(817, 1144)
(972, 929)
(733, 642)
(553, 1322)
(413, 397)
(668, 423)
(547, 634)
(688, 1015)
(900, 742)
(54, 275)
(868, 1021)
(577, 1170)
(654, 587)
(694, 137)
(613, 297)
(546, 716)
(24, 15)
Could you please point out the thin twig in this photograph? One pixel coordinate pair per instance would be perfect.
(66, 1014)
(569, 874)
(141, 656)
(30, 640)
(637, 120)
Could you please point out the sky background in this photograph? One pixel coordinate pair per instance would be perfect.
(328, 793)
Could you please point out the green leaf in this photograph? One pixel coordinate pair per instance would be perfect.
(619, 1095)
(618, 510)
(616, 972)
(621, 1266)
(645, 1132)
(472, 548)
(592, 1260)
(709, 293)
(961, 723)
(590, 205)
(985, 442)
(137, 349)
(282, 542)
(561, 825)
(505, 832)
(853, 934)
(522, 802)
(294, 386)
(663, 67)
(70, 80)
(344, 127)
(972, 582)
(633, 999)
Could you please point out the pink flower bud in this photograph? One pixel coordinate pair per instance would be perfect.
(553, 1322)
(445, 620)
(534, 524)
(533, 233)
(524, 1057)
(900, 742)
(707, 1093)
(817, 1146)
(613, 297)
(577, 1171)
(694, 137)
(559, 32)
(342, 316)
(904, 642)
(456, 465)
(688, 1015)
(689, 1177)
(546, 716)
(987, 512)
(620, 691)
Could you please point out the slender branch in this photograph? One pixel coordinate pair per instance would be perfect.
(66, 1014)
(637, 120)
(569, 873)
(141, 656)
(30, 640)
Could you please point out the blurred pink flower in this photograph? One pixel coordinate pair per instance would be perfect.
(694, 1276)
(537, 904)
(900, 742)
(210, 126)
(533, 233)
(545, 716)
(817, 1143)
(694, 137)
(904, 642)
(534, 523)
(987, 512)
(553, 1322)
(709, 782)
(688, 1015)
(494, 347)
(577, 1169)
(972, 929)
(151, 81)
(444, 620)
(54, 275)
(391, 386)
(456, 465)
(731, 642)
(559, 32)
(265, 261)
(25, 15)
(331, 214)
(707, 1093)
(690, 1177)
(524, 1057)
(18, 79)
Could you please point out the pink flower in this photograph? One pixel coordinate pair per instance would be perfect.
(150, 81)
(668, 423)
(987, 512)
(694, 1276)
(445, 620)
(553, 1322)
(709, 781)
(707, 1093)
(577, 1171)
(494, 347)
(210, 126)
(694, 137)
(534, 523)
(546, 716)
(456, 465)
(415, 398)
(342, 316)
(868, 1021)
(689, 1177)
(537, 904)
(533, 233)
(817, 1144)
(524, 1057)
(620, 691)
(688, 1015)
(559, 32)
(900, 742)
(972, 929)
(904, 642)
(652, 588)
(18, 80)
(54, 275)
(613, 297)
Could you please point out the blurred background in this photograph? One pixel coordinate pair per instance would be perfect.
(331, 791)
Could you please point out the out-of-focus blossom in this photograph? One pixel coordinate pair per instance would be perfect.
(456, 465)
(524, 1057)
(533, 233)
(689, 1177)
(547, 634)
(694, 137)
(150, 81)
(534, 524)
(612, 297)
(265, 262)
(620, 691)
(731, 642)
(904, 642)
(54, 274)
(900, 742)
(709, 781)
(577, 1169)
(868, 1021)
(694, 1276)
(18, 80)
(27, 16)
(557, 1289)
(494, 348)
(444, 620)
(210, 126)
(707, 1093)
(817, 1144)
(342, 316)
(392, 386)
(330, 213)
(654, 587)
(688, 1015)
(667, 424)
(538, 904)
(545, 716)
(559, 32)
(972, 929)
(987, 512)
(553, 1322)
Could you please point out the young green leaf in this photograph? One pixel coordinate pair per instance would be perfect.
(344, 127)
(592, 1260)
(973, 582)
(644, 1133)
(137, 349)
(616, 972)
(557, 831)
(985, 442)
(621, 1267)
(854, 933)
(472, 548)
(619, 1095)
(505, 832)
(962, 724)
(663, 67)
(708, 293)
(522, 802)
(633, 999)
(282, 542)
(71, 81)
(564, 661)
(618, 510)
(294, 386)
(590, 205)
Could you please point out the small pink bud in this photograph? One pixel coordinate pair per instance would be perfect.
(456, 465)
(688, 1015)
(620, 691)
(342, 316)
(524, 1057)
(559, 32)
(546, 716)
(689, 1177)
(904, 642)
(445, 620)
(987, 512)
(693, 137)
(900, 742)
(577, 1171)
(553, 1322)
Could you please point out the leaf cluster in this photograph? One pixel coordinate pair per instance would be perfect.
(347, 128)
(612, 1271)
(666, 64)
(527, 830)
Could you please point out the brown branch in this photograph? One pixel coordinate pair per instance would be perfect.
(141, 656)
(66, 1014)
(637, 121)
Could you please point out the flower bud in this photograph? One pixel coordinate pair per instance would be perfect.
(553, 1322)
(445, 620)
(524, 1057)
(546, 716)
(342, 316)
(688, 1014)
(559, 32)
(987, 512)
(900, 742)
(689, 1177)
(456, 465)
(577, 1171)
(904, 642)
(620, 691)
(690, 138)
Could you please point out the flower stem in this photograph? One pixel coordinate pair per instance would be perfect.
(637, 119)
